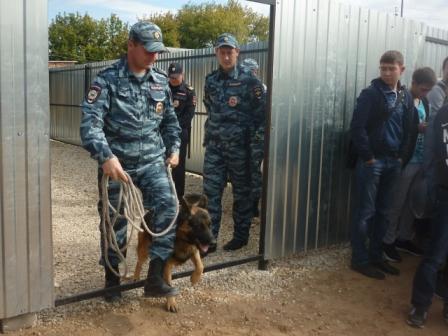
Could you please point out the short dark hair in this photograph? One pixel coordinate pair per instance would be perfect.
(445, 62)
(391, 57)
(424, 75)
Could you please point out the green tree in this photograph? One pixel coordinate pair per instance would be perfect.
(258, 28)
(169, 26)
(81, 38)
(201, 24)
(198, 25)
(117, 34)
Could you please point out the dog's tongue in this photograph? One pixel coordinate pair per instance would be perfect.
(204, 248)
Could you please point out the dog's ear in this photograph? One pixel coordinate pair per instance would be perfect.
(203, 202)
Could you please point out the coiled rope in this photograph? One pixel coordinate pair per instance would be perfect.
(133, 211)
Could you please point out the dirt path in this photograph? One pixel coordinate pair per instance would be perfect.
(314, 294)
(292, 298)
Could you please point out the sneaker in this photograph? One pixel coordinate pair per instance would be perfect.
(408, 247)
(390, 253)
(385, 267)
(417, 317)
(369, 271)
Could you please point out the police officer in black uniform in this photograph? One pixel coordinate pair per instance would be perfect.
(184, 101)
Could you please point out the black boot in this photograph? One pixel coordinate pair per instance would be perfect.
(111, 281)
(234, 244)
(155, 285)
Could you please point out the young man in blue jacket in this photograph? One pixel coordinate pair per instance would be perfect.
(400, 233)
(383, 133)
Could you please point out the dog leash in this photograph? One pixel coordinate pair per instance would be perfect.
(133, 211)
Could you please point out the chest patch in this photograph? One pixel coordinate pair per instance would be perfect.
(175, 103)
(258, 91)
(159, 107)
(156, 87)
(232, 84)
(233, 101)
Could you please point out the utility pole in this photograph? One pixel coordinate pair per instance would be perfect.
(402, 5)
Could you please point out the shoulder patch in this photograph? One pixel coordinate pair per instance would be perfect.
(93, 94)
(258, 91)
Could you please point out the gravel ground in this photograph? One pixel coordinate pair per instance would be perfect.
(75, 223)
(312, 294)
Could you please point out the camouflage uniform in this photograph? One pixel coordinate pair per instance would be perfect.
(256, 147)
(133, 119)
(184, 101)
(235, 104)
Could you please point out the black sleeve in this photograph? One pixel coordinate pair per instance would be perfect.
(190, 108)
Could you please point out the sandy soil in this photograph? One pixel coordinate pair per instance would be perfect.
(299, 300)
(312, 294)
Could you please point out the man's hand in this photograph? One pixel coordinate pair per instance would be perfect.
(173, 160)
(370, 162)
(113, 169)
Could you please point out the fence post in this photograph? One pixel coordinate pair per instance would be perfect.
(87, 78)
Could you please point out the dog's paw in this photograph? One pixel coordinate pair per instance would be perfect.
(171, 304)
(195, 278)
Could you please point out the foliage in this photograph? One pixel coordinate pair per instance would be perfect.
(80, 38)
(198, 26)
(169, 25)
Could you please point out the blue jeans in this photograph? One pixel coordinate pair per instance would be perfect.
(426, 275)
(375, 187)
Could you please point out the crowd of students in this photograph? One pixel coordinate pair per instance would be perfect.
(399, 150)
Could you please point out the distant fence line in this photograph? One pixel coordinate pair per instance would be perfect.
(68, 87)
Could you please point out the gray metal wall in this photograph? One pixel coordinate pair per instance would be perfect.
(325, 53)
(436, 49)
(67, 86)
(26, 264)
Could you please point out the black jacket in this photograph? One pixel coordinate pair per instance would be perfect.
(369, 118)
(440, 147)
(184, 101)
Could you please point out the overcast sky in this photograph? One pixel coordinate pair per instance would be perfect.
(432, 12)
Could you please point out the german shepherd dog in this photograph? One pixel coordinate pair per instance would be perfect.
(193, 237)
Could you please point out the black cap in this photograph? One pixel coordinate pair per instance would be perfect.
(175, 69)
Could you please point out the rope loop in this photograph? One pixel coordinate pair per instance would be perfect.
(130, 200)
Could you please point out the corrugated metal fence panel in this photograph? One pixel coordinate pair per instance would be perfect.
(325, 53)
(26, 265)
(435, 53)
(67, 87)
